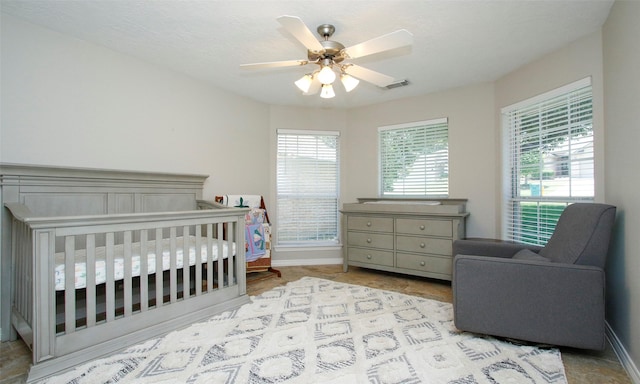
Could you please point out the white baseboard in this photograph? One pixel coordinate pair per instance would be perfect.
(623, 356)
(306, 262)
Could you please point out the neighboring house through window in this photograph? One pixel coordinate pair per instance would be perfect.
(414, 159)
(307, 188)
(549, 160)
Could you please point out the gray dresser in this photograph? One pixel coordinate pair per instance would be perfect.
(412, 236)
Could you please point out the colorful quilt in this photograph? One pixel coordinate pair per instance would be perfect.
(256, 242)
(257, 230)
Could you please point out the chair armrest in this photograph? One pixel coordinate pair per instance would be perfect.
(538, 301)
(490, 247)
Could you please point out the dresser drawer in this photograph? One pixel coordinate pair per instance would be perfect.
(373, 240)
(376, 224)
(434, 264)
(441, 228)
(424, 245)
(371, 256)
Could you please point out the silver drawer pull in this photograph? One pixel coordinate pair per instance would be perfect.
(369, 257)
(368, 240)
(422, 263)
(422, 227)
(422, 245)
(368, 223)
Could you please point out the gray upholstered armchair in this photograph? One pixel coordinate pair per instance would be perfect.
(551, 295)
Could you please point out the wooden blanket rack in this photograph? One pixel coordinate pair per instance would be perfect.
(262, 264)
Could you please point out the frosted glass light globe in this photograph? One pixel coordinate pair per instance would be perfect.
(304, 83)
(349, 82)
(326, 75)
(327, 91)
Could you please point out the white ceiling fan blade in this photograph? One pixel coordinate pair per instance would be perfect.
(369, 76)
(393, 40)
(299, 30)
(275, 64)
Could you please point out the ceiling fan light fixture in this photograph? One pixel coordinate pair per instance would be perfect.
(326, 75)
(304, 83)
(349, 82)
(327, 91)
(330, 57)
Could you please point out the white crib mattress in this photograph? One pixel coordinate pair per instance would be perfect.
(100, 256)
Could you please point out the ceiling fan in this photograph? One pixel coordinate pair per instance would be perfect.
(330, 57)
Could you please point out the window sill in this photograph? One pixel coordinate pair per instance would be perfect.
(298, 248)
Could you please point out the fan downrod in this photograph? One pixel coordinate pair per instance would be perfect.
(332, 49)
(326, 30)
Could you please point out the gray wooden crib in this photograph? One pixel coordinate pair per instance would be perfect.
(94, 261)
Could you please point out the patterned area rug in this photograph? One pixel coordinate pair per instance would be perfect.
(320, 331)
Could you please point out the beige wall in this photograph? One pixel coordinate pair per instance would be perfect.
(70, 103)
(622, 120)
(472, 149)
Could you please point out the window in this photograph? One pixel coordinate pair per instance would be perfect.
(307, 188)
(548, 160)
(414, 159)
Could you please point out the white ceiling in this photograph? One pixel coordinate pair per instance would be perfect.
(455, 42)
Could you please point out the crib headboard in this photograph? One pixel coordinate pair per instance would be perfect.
(57, 191)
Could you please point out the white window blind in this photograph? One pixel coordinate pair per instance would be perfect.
(549, 160)
(307, 187)
(414, 159)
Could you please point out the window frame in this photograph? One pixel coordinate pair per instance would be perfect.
(425, 183)
(546, 209)
(288, 243)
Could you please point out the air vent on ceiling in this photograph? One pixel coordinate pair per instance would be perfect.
(401, 83)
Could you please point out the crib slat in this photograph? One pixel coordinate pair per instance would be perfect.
(69, 284)
(21, 242)
(173, 269)
(44, 314)
(28, 266)
(209, 258)
(159, 274)
(220, 259)
(110, 296)
(21, 299)
(144, 271)
(18, 271)
(186, 262)
(20, 294)
(232, 259)
(91, 280)
(199, 260)
(128, 292)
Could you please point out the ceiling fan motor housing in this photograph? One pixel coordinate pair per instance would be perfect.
(332, 49)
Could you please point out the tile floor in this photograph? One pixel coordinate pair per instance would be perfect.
(580, 366)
